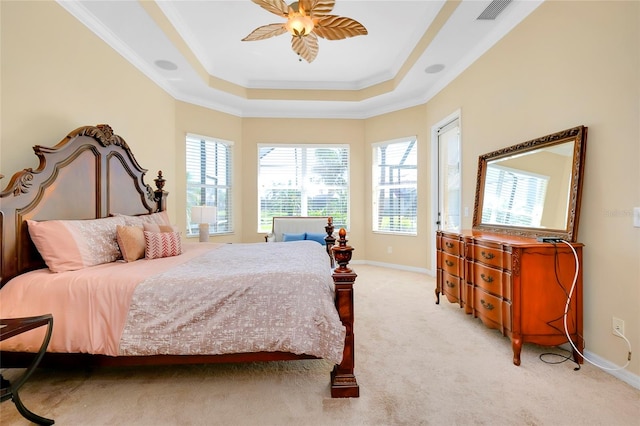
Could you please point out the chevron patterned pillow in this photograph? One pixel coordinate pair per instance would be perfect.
(162, 244)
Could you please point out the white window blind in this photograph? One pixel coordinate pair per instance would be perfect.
(395, 186)
(303, 180)
(209, 182)
(513, 197)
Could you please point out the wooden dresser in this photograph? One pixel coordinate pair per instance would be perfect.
(516, 285)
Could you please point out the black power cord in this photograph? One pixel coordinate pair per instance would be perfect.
(563, 358)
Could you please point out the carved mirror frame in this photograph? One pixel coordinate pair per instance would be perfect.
(569, 232)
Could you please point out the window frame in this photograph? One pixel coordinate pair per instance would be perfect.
(376, 187)
(221, 226)
(264, 224)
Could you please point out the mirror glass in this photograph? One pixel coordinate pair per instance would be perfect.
(532, 189)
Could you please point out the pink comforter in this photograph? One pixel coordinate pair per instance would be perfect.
(212, 299)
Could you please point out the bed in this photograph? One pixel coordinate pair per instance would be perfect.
(181, 302)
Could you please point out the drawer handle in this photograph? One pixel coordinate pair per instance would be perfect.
(449, 263)
(448, 244)
(450, 284)
(487, 256)
(486, 278)
(486, 305)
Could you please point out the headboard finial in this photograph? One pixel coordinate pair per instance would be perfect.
(160, 194)
(159, 181)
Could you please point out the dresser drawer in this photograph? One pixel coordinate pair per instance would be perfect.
(492, 280)
(492, 310)
(452, 264)
(451, 285)
(451, 246)
(492, 256)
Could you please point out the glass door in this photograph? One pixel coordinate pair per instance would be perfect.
(449, 216)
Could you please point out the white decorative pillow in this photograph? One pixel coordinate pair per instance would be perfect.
(162, 244)
(160, 218)
(69, 245)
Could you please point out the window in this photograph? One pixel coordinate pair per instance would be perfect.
(209, 183)
(303, 180)
(395, 179)
(513, 197)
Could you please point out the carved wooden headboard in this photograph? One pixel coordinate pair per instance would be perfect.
(90, 174)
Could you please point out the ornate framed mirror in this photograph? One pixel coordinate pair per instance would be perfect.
(532, 189)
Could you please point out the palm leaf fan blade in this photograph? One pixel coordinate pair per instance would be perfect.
(333, 27)
(306, 47)
(266, 31)
(305, 6)
(316, 8)
(278, 7)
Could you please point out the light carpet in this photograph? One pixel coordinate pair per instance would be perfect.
(417, 363)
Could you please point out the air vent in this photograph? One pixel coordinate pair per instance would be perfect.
(494, 9)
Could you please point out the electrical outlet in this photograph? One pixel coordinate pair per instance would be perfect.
(389, 249)
(617, 326)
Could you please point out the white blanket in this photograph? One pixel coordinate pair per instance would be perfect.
(239, 298)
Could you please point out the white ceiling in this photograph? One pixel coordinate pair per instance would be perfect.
(358, 77)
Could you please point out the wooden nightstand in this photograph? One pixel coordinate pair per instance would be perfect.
(12, 327)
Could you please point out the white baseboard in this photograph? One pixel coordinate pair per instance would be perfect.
(624, 375)
(394, 266)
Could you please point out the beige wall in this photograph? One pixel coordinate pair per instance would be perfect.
(411, 251)
(569, 63)
(58, 76)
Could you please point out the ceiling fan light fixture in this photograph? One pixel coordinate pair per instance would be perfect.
(306, 21)
(299, 25)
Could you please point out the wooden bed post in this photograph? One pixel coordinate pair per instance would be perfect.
(160, 194)
(343, 380)
(330, 240)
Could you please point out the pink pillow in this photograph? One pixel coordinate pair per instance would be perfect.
(162, 244)
(68, 245)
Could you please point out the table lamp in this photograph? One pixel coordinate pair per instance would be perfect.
(203, 215)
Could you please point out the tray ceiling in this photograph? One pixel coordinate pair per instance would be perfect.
(193, 50)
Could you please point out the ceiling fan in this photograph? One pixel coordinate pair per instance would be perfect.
(306, 21)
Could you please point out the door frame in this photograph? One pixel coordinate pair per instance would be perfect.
(435, 178)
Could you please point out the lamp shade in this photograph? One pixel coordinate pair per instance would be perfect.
(203, 214)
